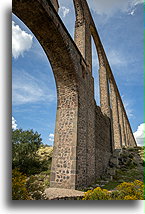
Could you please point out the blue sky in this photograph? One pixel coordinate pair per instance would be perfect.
(120, 26)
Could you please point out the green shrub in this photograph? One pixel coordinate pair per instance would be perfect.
(28, 152)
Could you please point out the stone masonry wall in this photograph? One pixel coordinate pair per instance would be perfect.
(94, 135)
(86, 134)
(103, 142)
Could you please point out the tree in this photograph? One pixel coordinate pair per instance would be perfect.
(24, 147)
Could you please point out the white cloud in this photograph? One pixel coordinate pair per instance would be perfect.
(136, 2)
(14, 124)
(64, 11)
(28, 89)
(21, 41)
(132, 12)
(110, 7)
(51, 137)
(140, 134)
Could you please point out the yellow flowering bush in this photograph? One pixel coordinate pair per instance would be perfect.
(128, 197)
(19, 191)
(124, 191)
(134, 190)
(97, 194)
(36, 185)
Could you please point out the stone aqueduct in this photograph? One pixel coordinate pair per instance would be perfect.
(85, 135)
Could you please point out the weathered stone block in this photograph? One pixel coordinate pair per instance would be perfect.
(111, 171)
(114, 161)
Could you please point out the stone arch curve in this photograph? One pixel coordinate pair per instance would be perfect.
(43, 21)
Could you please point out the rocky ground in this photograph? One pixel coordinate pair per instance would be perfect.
(125, 165)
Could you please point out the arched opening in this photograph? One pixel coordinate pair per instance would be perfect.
(95, 73)
(67, 14)
(34, 88)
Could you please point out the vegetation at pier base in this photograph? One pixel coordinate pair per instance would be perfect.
(124, 191)
(126, 184)
(130, 168)
(31, 163)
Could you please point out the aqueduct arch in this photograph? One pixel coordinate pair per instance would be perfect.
(85, 134)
